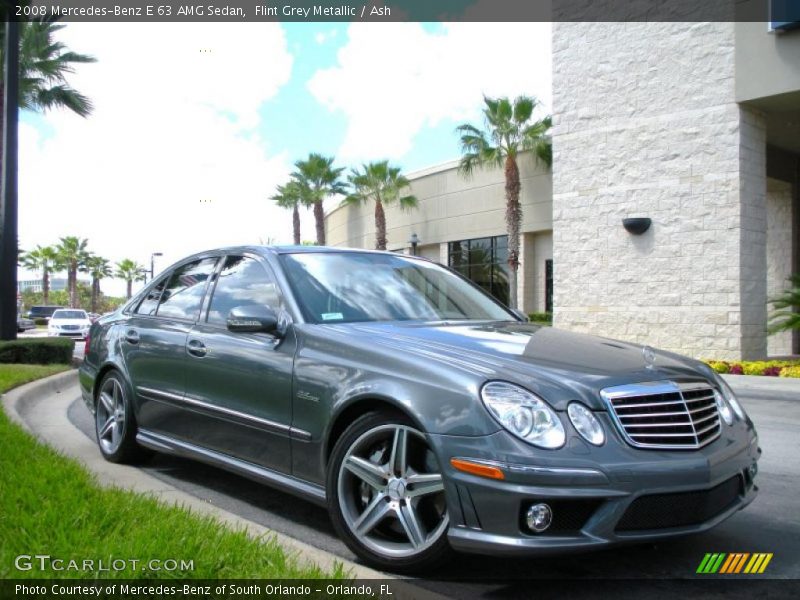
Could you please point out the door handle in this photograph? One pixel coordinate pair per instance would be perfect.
(132, 336)
(196, 348)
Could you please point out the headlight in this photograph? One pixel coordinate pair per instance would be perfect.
(723, 408)
(728, 394)
(586, 424)
(524, 414)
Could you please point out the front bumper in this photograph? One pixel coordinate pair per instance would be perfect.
(603, 496)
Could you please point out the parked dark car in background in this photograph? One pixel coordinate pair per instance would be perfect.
(425, 415)
(24, 324)
(42, 312)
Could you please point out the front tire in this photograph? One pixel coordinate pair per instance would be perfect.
(115, 423)
(386, 494)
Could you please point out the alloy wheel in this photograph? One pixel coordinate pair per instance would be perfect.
(110, 415)
(391, 492)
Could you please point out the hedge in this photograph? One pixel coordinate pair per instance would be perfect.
(41, 351)
(769, 368)
(541, 317)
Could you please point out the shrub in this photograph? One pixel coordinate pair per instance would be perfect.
(40, 321)
(720, 366)
(753, 368)
(773, 371)
(41, 351)
(736, 370)
(790, 371)
(541, 317)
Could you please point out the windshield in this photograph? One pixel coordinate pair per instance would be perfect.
(346, 287)
(69, 314)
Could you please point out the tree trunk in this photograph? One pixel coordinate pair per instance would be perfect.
(513, 221)
(380, 225)
(319, 217)
(71, 285)
(130, 287)
(95, 289)
(296, 224)
(45, 284)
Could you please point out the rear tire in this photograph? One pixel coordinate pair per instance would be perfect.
(115, 423)
(386, 495)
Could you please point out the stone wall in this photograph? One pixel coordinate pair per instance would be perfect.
(645, 124)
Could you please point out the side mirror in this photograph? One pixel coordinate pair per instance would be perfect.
(253, 318)
(519, 314)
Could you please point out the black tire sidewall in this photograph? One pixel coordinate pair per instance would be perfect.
(128, 450)
(430, 558)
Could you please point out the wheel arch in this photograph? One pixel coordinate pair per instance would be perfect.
(358, 406)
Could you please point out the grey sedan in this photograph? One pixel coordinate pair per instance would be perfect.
(425, 415)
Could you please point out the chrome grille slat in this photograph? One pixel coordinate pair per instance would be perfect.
(678, 416)
(652, 414)
(647, 404)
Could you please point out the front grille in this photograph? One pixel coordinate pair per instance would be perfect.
(665, 414)
(663, 511)
(70, 327)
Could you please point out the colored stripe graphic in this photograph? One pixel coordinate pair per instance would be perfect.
(733, 563)
(711, 562)
(758, 563)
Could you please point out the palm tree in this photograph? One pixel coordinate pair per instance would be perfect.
(382, 183)
(44, 259)
(317, 179)
(508, 130)
(72, 255)
(130, 271)
(43, 66)
(291, 196)
(98, 267)
(786, 316)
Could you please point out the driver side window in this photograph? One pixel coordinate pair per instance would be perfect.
(242, 281)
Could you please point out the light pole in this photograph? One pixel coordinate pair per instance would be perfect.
(153, 263)
(413, 240)
(144, 273)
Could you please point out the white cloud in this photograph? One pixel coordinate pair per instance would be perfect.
(323, 36)
(393, 79)
(176, 111)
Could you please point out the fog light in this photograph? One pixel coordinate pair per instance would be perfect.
(539, 517)
(753, 469)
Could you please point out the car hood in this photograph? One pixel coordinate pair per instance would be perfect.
(559, 365)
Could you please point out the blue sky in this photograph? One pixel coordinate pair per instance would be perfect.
(196, 124)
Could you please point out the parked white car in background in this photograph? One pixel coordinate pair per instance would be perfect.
(69, 322)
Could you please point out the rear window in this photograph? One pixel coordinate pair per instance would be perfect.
(69, 314)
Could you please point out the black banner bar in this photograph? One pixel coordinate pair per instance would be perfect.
(149, 11)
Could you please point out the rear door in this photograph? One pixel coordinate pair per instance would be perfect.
(240, 384)
(154, 344)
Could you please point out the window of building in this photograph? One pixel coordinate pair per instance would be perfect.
(485, 262)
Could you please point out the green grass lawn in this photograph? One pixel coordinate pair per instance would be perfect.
(51, 505)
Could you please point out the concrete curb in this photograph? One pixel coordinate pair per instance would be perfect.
(41, 408)
(778, 384)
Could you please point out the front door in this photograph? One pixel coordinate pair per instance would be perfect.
(241, 383)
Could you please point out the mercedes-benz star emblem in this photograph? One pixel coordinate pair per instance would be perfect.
(649, 356)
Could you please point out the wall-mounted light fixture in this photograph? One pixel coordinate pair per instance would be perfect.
(636, 225)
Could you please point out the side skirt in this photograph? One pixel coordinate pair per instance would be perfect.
(287, 483)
